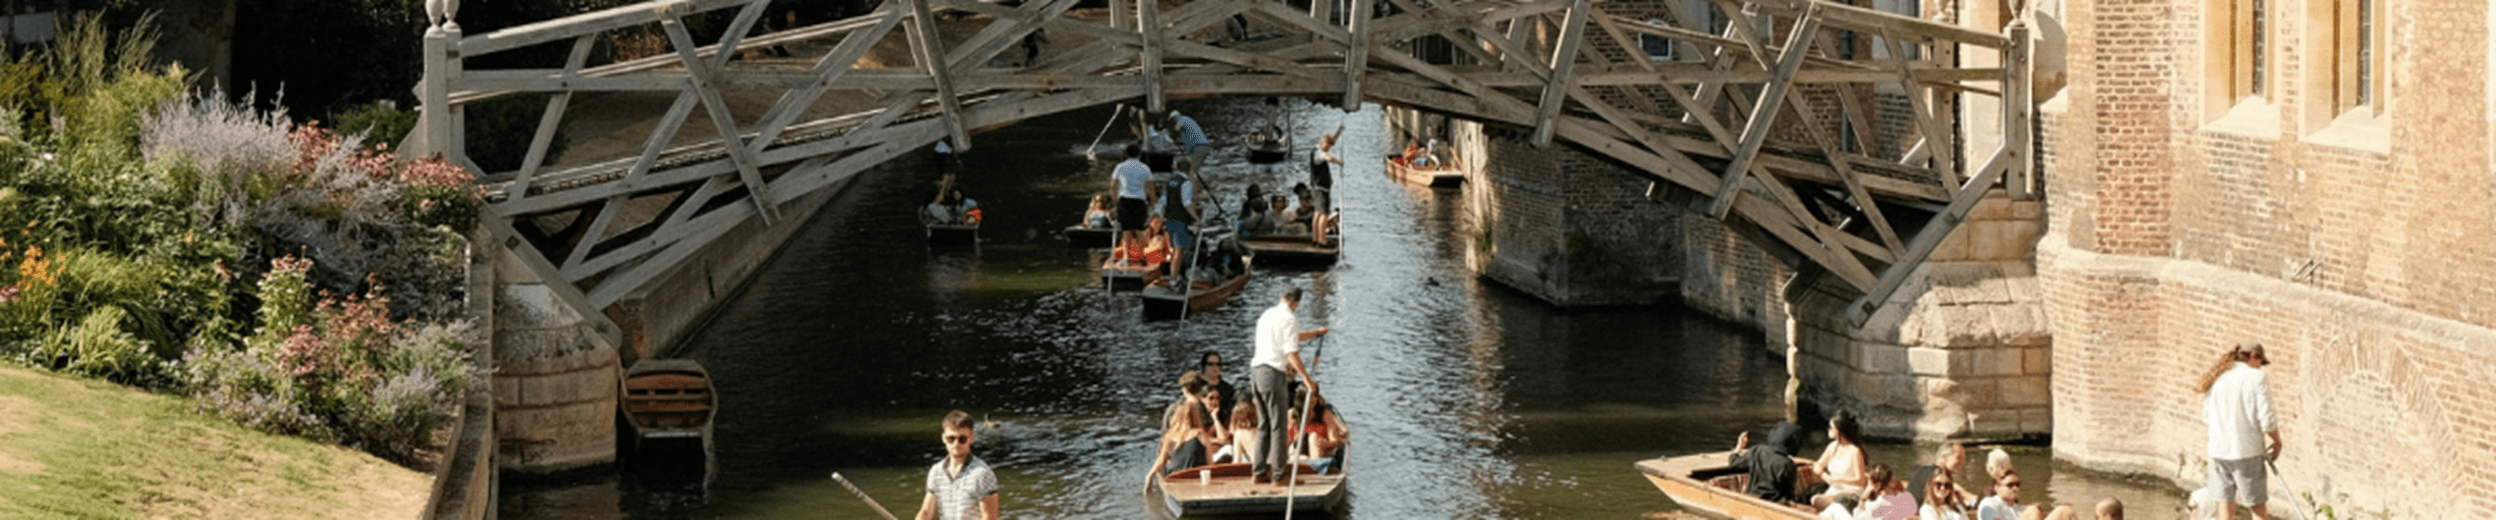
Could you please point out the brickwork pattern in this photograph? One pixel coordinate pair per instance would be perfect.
(2364, 268)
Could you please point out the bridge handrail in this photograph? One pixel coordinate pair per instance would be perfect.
(585, 24)
(660, 61)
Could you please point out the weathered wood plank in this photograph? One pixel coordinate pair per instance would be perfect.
(1930, 238)
(1755, 133)
(1563, 62)
(929, 47)
(747, 169)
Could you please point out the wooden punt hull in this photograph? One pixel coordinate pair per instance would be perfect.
(946, 234)
(1081, 236)
(1269, 151)
(1230, 492)
(1160, 159)
(1124, 279)
(1703, 483)
(1293, 250)
(669, 398)
(1448, 177)
(1164, 305)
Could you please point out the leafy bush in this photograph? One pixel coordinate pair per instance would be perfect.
(379, 122)
(341, 369)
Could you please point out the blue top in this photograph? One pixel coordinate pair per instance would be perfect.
(1190, 134)
(1130, 176)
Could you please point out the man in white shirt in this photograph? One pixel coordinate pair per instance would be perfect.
(1278, 359)
(1128, 181)
(2239, 414)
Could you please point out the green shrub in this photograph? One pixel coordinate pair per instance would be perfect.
(499, 131)
(381, 122)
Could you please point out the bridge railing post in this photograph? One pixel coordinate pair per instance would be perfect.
(442, 133)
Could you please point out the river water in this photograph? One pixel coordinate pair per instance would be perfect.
(1465, 399)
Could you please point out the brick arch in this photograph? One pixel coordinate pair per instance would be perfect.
(2366, 390)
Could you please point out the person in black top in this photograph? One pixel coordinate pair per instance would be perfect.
(1209, 367)
(1771, 464)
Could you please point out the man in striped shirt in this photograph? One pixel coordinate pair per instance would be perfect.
(961, 487)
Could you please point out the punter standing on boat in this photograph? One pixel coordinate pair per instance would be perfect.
(1179, 214)
(1278, 358)
(1191, 136)
(961, 487)
(2237, 408)
(1128, 181)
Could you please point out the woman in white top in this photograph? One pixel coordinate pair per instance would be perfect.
(1841, 465)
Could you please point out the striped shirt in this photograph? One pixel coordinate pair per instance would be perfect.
(958, 497)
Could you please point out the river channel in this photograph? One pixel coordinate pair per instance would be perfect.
(1465, 399)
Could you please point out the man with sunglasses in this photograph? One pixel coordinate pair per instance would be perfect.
(961, 487)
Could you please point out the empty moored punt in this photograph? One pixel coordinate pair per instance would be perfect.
(1268, 150)
(1704, 483)
(1229, 492)
(1085, 236)
(669, 399)
(1428, 177)
(1164, 304)
(1293, 250)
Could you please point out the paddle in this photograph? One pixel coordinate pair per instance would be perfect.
(2292, 490)
(1291, 493)
(1093, 153)
(862, 495)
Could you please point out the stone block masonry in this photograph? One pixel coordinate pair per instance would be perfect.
(2354, 242)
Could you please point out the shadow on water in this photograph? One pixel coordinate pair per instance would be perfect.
(1465, 400)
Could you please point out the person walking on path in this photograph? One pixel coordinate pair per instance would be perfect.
(960, 487)
(1278, 359)
(2236, 406)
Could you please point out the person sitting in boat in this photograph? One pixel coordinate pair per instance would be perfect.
(1182, 445)
(1098, 216)
(1770, 464)
(1243, 425)
(1943, 498)
(1884, 498)
(1151, 250)
(942, 210)
(1278, 210)
(1260, 221)
(1320, 441)
(1440, 154)
(1414, 156)
(965, 210)
(1841, 464)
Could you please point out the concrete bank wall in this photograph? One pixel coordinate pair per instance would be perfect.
(1961, 351)
(661, 315)
(1574, 229)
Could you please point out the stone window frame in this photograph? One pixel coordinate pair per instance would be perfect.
(2236, 55)
(2345, 90)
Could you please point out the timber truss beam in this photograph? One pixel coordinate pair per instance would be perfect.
(1771, 119)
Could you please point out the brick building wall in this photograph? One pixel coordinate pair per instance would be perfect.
(2361, 251)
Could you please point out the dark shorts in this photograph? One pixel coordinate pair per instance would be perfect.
(1131, 214)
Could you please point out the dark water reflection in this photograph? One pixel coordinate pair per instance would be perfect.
(1465, 400)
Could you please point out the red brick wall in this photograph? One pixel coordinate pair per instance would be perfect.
(2362, 256)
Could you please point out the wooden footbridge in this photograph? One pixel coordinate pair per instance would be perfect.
(1762, 107)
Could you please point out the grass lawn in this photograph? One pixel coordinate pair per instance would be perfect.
(89, 449)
